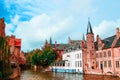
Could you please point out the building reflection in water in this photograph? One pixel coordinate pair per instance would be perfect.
(100, 77)
(32, 75)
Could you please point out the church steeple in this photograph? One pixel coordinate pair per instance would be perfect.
(50, 40)
(83, 37)
(89, 28)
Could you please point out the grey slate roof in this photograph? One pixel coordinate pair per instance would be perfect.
(89, 28)
(118, 43)
(108, 41)
(60, 46)
(72, 47)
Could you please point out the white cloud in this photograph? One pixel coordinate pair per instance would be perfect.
(47, 18)
(40, 28)
(106, 28)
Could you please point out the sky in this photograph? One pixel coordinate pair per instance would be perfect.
(35, 21)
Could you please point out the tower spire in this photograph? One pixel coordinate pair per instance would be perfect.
(50, 40)
(89, 28)
(83, 37)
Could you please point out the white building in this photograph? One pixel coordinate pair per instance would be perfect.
(73, 59)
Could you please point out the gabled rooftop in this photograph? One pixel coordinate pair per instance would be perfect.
(108, 41)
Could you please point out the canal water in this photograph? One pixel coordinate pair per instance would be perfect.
(39, 75)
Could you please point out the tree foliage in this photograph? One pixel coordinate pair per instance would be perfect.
(48, 56)
(42, 57)
(5, 68)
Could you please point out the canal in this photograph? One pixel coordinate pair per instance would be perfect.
(38, 75)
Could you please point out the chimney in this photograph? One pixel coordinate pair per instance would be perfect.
(117, 31)
(69, 39)
(97, 38)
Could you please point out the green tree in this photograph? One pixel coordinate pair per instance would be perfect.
(5, 68)
(48, 56)
(35, 57)
(43, 57)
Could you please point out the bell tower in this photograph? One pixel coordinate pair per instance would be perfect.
(90, 47)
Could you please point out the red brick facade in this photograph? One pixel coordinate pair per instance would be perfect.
(14, 44)
(2, 28)
(102, 56)
(15, 48)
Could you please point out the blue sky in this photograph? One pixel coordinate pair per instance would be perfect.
(34, 21)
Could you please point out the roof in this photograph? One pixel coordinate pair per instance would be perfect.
(108, 41)
(118, 43)
(73, 47)
(89, 28)
(52, 45)
(60, 46)
(75, 41)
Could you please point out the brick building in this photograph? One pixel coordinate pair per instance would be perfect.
(108, 54)
(15, 50)
(14, 44)
(2, 27)
(60, 47)
(101, 56)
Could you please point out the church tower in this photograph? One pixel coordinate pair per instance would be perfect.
(50, 41)
(90, 47)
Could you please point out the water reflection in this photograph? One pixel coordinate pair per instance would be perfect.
(96, 77)
(32, 75)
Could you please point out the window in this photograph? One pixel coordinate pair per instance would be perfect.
(109, 63)
(68, 64)
(105, 63)
(96, 55)
(80, 55)
(104, 54)
(117, 64)
(101, 64)
(97, 63)
(109, 53)
(100, 55)
(80, 63)
(76, 64)
(92, 67)
(77, 56)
